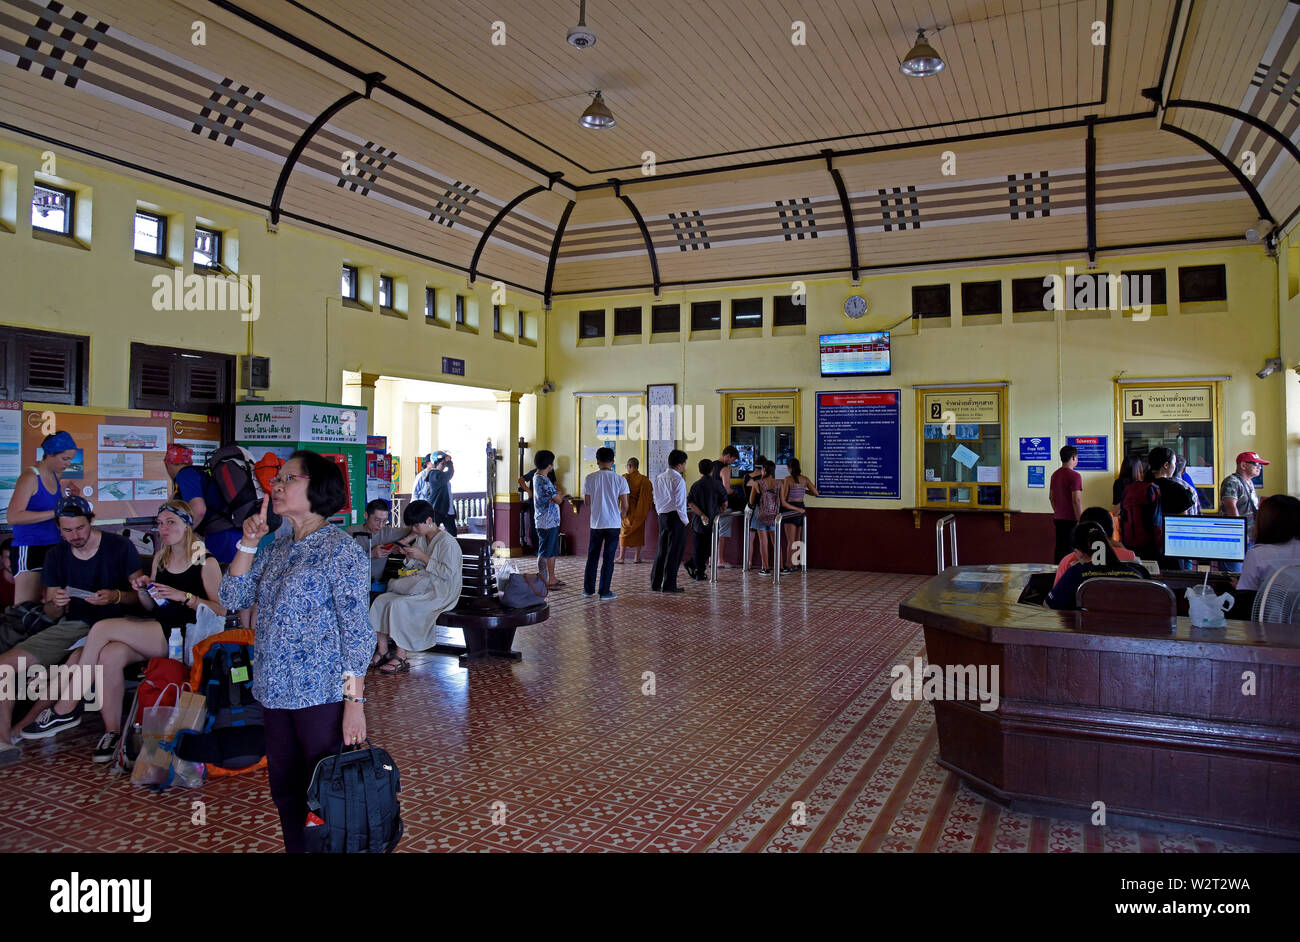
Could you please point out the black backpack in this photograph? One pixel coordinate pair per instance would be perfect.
(352, 803)
(233, 738)
(231, 470)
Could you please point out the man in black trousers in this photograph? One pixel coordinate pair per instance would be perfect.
(670, 505)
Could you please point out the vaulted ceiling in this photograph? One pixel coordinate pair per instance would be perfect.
(448, 130)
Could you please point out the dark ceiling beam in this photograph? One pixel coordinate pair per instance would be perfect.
(1231, 167)
(501, 214)
(304, 139)
(555, 253)
(1090, 186)
(645, 234)
(847, 210)
(1245, 116)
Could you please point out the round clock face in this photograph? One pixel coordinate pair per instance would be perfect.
(855, 305)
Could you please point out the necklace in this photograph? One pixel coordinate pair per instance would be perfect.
(319, 526)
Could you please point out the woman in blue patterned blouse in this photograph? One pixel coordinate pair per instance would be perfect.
(313, 635)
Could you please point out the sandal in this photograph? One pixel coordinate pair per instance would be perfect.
(403, 665)
(380, 659)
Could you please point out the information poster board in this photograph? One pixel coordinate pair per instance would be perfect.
(1094, 452)
(120, 452)
(859, 444)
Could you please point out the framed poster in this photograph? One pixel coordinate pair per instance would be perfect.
(661, 435)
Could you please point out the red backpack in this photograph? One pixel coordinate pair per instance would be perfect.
(159, 674)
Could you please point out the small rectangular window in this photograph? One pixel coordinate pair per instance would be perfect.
(746, 312)
(385, 291)
(207, 248)
(665, 319)
(1203, 283)
(150, 234)
(931, 300)
(496, 318)
(627, 321)
(785, 313)
(430, 300)
(349, 285)
(1028, 294)
(981, 297)
(460, 309)
(519, 319)
(591, 324)
(1145, 286)
(706, 315)
(52, 209)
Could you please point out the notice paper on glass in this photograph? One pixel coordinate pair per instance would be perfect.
(1201, 477)
(988, 474)
(965, 456)
(589, 452)
(990, 577)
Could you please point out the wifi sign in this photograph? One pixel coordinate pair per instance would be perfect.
(1035, 449)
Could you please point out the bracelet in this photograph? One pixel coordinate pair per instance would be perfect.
(244, 549)
(119, 597)
(349, 699)
(189, 597)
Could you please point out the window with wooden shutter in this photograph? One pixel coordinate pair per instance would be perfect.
(171, 380)
(41, 366)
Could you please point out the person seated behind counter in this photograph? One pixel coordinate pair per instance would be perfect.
(1277, 541)
(1102, 517)
(1089, 539)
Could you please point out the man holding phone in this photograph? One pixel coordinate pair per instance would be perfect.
(89, 577)
(378, 538)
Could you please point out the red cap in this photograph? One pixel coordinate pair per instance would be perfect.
(179, 454)
(1250, 456)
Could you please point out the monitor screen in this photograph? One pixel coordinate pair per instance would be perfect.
(855, 354)
(1221, 538)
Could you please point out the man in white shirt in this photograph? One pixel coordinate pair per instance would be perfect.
(606, 491)
(670, 505)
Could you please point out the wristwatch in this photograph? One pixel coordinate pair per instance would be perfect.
(189, 597)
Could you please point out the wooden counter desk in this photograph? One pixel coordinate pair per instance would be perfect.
(1153, 722)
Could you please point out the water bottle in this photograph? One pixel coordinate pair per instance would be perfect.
(174, 645)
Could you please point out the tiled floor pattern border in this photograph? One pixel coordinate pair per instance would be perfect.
(763, 696)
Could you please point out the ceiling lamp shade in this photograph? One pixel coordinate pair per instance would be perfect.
(922, 60)
(597, 116)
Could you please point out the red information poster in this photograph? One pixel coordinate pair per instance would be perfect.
(119, 463)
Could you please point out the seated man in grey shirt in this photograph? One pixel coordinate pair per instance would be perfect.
(375, 534)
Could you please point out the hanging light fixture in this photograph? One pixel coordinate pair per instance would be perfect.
(597, 116)
(923, 59)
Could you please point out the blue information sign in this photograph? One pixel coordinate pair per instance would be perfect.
(453, 367)
(1035, 449)
(1037, 475)
(859, 441)
(1094, 454)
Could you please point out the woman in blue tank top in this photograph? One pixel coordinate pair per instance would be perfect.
(31, 513)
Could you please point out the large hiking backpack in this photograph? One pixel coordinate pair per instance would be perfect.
(352, 803)
(231, 469)
(233, 740)
(768, 507)
(1141, 518)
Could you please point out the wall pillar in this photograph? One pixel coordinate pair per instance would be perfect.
(505, 501)
(361, 392)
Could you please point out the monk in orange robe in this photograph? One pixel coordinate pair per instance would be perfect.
(640, 499)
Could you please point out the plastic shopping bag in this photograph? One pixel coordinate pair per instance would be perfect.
(207, 624)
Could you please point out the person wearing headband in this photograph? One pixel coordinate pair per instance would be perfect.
(184, 577)
(31, 512)
(89, 577)
(196, 488)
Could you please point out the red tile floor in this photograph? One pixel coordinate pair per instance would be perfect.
(762, 697)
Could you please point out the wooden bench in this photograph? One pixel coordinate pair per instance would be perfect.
(488, 626)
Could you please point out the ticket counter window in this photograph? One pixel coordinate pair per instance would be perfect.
(765, 425)
(1180, 418)
(963, 449)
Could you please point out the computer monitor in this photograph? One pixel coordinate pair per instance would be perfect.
(1210, 538)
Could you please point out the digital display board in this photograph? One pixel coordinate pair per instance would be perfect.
(865, 354)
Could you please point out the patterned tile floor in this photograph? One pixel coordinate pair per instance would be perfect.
(761, 698)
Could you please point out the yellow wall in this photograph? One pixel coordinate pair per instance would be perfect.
(311, 338)
(1094, 352)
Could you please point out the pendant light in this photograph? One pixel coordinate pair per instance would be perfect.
(922, 60)
(597, 116)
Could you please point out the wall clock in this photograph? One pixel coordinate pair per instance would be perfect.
(855, 305)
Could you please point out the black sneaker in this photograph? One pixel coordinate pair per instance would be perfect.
(48, 723)
(105, 748)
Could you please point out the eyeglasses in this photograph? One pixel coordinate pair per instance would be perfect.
(282, 480)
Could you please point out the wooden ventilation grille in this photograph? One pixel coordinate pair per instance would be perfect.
(205, 384)
(47, 371)
(156, 379)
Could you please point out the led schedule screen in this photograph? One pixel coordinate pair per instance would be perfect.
(855, 354)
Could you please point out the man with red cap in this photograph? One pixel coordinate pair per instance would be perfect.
(196, 486)
(1237, 496)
